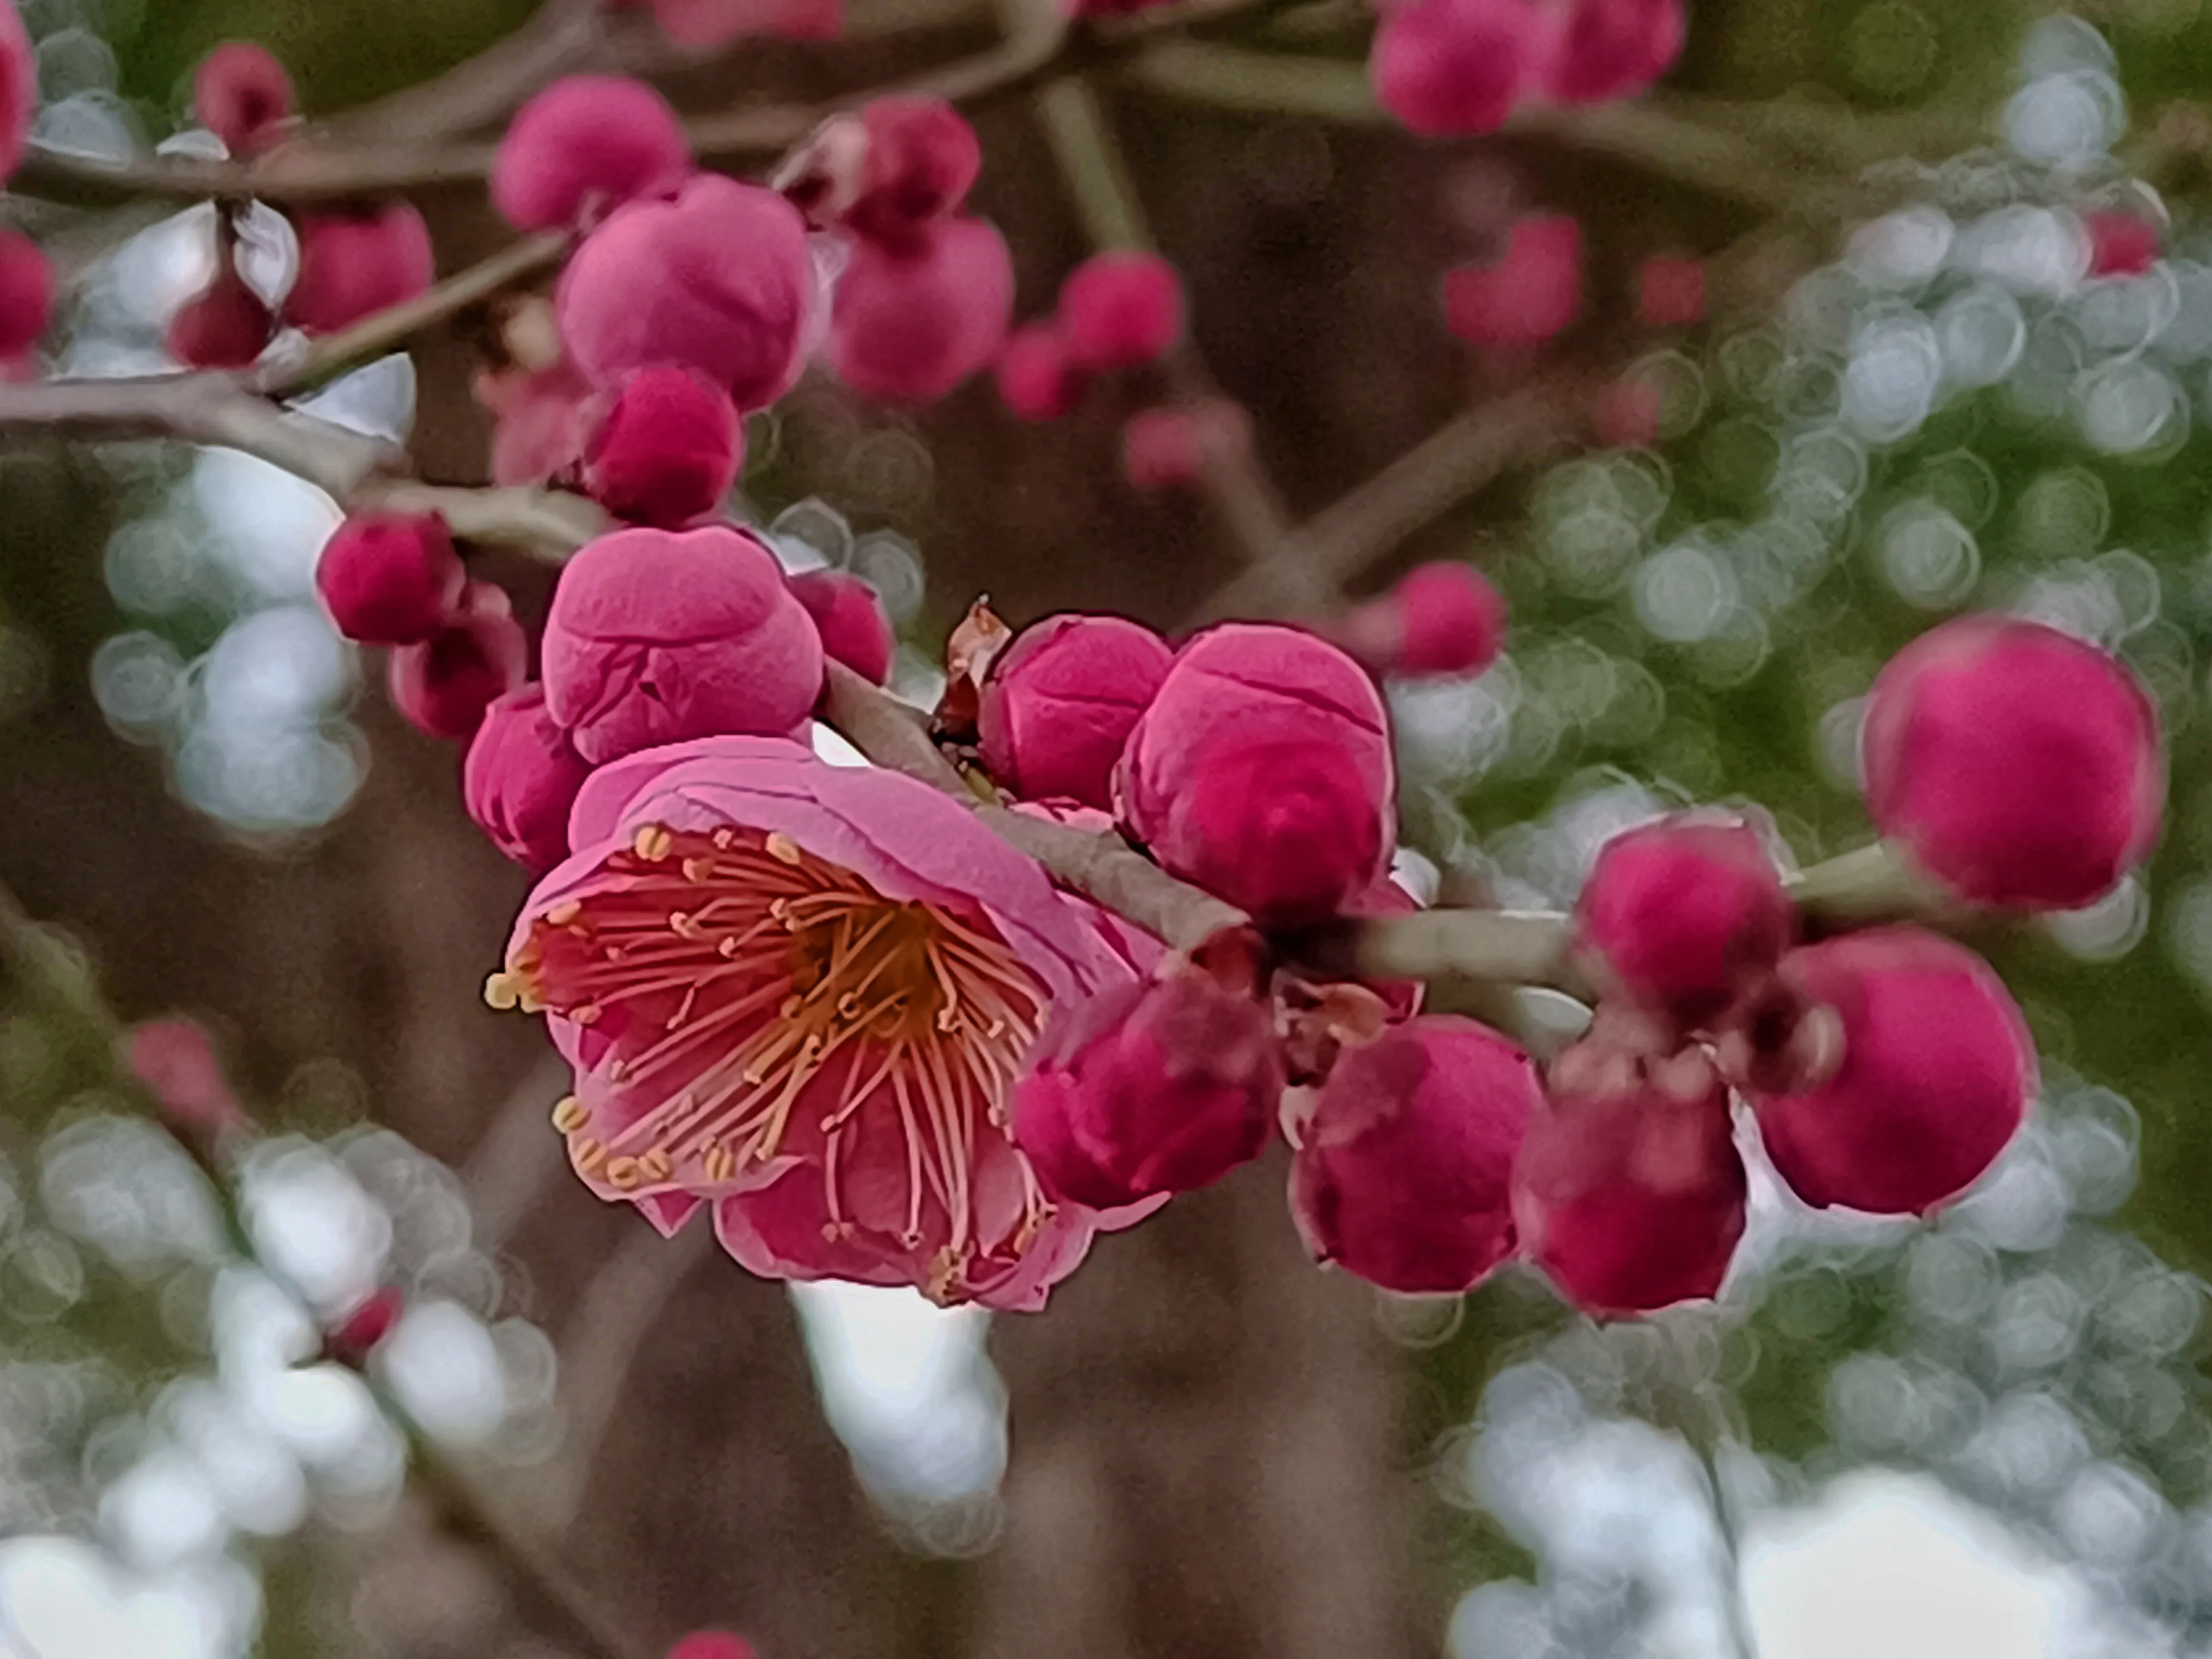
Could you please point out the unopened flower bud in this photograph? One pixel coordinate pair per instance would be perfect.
(1036, 379)
(912, 319)
(242, 94)
(1121, 309)
(669, 450)
(19, 90)
(389, 579)
(1443, 618)
(1455, 66)
(26, 293)
(584, 145)
(848, 615)
(176, 1061)
(1936, 1072)
(521, 779)
(1404, 1165)
(918, 161)
(354, 263)
(226, 325)
(363, 1331)
(2121, 244)
(2018, 765)
(1061, 701)
(444, 684)
(1532, 293)
(1611, 49)
(656, 636)
(1176, 443)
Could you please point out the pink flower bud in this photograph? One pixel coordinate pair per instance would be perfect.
(390, 580)
(1613, 49)
(19, 88)
(176, 1061)
(2121, 244)
(1403, 1171)
(849, 617)
(521, 779)
(1061, 701)
(1626, 414)
(353, 264)
(912, 319)
(669, 450)
(585, 144)
(1937, 1073)
(26, 293)
(718, 22)
(1443, 618)
(1037, 380)
(2018, 765)
(1633, 1201)
(1686, 914)
(1455, 66)
(1533, 293)
(1262, 772)
(540, 419)
(225, 326)
(920, 160)
(1148, 1089)
(656, 636)
(1121, 309)
(1179, 444)
(713, 1644)
(1670, 292)
(242, 95)
(445, 684)
(718, 279)
(360, 1332)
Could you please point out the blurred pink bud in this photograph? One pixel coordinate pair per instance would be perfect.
(657, 636)
(1670, 292)
(2121, 244)
(912, 319)
(713, 1644)
(1612, 49)
(1441, 619)
(19, 88)
(388, 580)
(1149, 1089)
(1177, 444)
(718, 22)
(1633, 1201)
(355, 264)
(1625, 415)
(540, 419)
(669, 450)
(1533, 293)
(1937, 1073)
(919, 160)
(241, 94)
(1037, 380)
(1686, 914)
(1121, 309)
(583, 145)
(445, 684)
(225, 326)
(26, 293)
(1262, 772)
(719, 280)
(176, 1061)
(521, 779)
(849, 617)
(1455, 66)
(1403, 1170)
(360, 1333)
(2018, 765)
(1061, 701)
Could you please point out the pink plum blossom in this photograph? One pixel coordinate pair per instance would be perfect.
(225, 325)
(1611, 49)
(912, 319)
(19, 88)
(919, 160)
(356, 263)
(583, 145)
(1121, 309)
(520, 778)
(668, 450)
(1061, 701)
(26, 293)
(1037, 380)
(2121, 244)
(389, 578)
(445, 684)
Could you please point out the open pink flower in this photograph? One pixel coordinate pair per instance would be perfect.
(802, 993)
(581, 146)
(913, 318)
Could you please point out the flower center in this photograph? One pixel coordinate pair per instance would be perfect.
(731, 971)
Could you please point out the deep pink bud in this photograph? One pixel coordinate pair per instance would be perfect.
(1936, 1073)
(1613, 49)
(919, 160)
(359, 1333)
(658, 636)
(1176, 444)
(583, 145)
(26, 293)
(1670, 292)
(1037, 380)
(849, 616)
(1404, 1169)
(19, 88)
(1686, 913)
(353, 264)
(1262, 772)
(1455, 66)
(176, 1061)
(2121, 244)
(1533, 293)
(242, 95)
(713, 1644)
(225, 326)
(718, 22)
(446, 684)
(1630, 1202)
(2018, 765)
(668, 451)
(521, 779)
(718, 279)
(1443, 618)
(388, 580)
(912, 319)
(1150, 1088)
(1061, 701)
(1121, 309)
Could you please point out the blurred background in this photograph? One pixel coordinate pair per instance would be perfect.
(1985, 1436)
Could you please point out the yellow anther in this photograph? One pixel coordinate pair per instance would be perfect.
(727, 946)
(503, 991)
(790, 1005)
(657, 1164)
(725, 839)
(564, 913)
(622, 1173)
(570, 1114)
(698, 869)
(586, 1013)
(652, 842)
(588, 1155)
(685, 925)
(783, 849)
(721, 1164)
